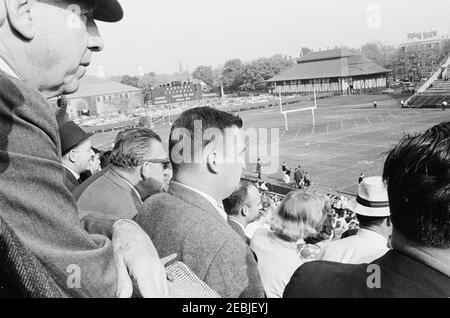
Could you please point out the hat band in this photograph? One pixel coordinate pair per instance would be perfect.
(372, 204)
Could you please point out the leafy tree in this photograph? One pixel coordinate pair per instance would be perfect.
(232, 74)
(205, 74)
(131, 81)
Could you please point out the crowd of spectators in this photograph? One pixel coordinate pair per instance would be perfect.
(153, 215)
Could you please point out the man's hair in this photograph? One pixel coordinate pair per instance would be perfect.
(209, 118)
(368, 221)
(105, 159)
(417, 173)
(132, 147)
(238, 198)
(299, 215)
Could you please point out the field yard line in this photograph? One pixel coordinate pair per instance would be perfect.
(331, 159)
(297, 133)
(393, 116)
(380, 118)
(330, 134)
(369, 120)
(354, 144)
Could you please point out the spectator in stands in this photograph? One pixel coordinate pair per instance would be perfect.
(242, 208)
(93, 166)
(264, 216)
(444, 105)
(61, 110)
(168, 173)
(76, 153)
(189, 220)
(352, 230)
(258, 168)
(298, 177)
(299, 215)
(41, 58)
(138, 162)
(417, 174)
(287, 176)
(283, 167)
(309, 248)
(370, 243)
(307, 180)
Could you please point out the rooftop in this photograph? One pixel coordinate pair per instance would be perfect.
(330, 64)
(94, 86)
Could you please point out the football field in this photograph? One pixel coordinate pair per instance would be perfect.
(349, 137)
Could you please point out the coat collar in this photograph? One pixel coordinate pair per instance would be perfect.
(123, 183)
(71, 175)
(7, 69)
(192, 197)
(438, 259)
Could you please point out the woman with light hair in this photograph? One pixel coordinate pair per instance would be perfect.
(299, 215)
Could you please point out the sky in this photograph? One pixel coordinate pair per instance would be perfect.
(156, 35)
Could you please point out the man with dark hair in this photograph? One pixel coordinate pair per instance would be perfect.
(136, 171)
(242, 208)
(45, 47)
(417, 174)
(206, 149)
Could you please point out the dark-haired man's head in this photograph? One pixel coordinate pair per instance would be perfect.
(417, 173)
(139, 157)
(207, 151)
(244, 204)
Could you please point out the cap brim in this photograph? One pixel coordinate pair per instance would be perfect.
(366, 211)
(108, 11)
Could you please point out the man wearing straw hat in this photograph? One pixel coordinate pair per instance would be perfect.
(372, 210)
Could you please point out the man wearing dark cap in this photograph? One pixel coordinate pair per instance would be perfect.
(76, 153)
(45, 47)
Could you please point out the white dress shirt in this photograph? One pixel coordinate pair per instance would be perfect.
(219, 207)
(76, 175)
(7, 69)
(364, 247)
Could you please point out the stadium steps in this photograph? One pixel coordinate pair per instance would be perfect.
(433, 91)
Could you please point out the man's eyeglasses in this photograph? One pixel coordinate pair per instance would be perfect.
(164, 162)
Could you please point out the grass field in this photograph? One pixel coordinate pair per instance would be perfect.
(350, 137)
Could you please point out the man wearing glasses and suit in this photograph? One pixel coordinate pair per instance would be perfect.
(137, 171)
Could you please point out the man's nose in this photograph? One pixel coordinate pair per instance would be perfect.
(95, 42)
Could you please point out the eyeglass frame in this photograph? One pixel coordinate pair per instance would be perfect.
(165, 162)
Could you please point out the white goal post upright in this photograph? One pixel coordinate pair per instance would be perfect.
(285, 113)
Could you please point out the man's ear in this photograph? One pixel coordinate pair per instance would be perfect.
(244, 211)
(72, 156)
(19, 17)
(212, 161)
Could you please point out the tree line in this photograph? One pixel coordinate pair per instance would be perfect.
(235, 75)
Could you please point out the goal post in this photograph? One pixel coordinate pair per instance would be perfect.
(286, 112)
